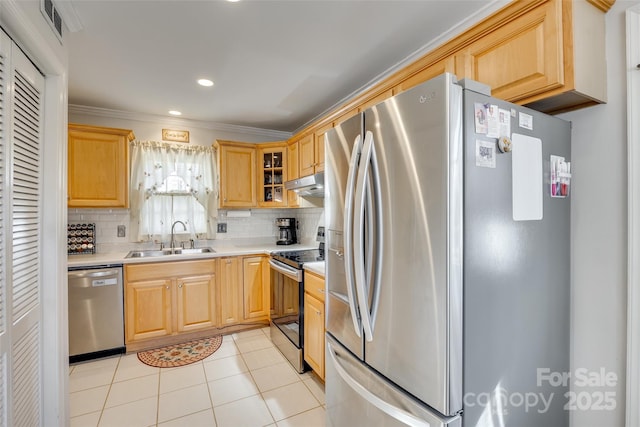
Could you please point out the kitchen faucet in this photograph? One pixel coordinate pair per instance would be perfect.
(173, 226)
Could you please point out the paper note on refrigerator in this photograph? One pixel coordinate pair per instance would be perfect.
(526, 170)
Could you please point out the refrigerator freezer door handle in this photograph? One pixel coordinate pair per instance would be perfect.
(358, 231)
(348, 234)
(389, 409)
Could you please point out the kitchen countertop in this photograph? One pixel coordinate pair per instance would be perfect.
(223, 248)
(315, 267)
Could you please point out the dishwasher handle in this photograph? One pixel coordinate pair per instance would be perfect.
(93, 274)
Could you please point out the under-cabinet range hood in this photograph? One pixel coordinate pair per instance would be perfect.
(311, 185)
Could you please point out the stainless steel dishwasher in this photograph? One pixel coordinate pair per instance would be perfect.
(96, 317)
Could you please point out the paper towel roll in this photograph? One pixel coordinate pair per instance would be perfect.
(239, 214)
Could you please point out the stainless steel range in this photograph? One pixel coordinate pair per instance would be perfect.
(287, 300)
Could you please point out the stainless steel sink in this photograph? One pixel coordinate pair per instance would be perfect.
(176, 251)
(192, 251)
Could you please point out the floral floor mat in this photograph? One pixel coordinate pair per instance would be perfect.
(181, 354)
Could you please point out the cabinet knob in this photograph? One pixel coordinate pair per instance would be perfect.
(180, 285)
(317, 312)
(166, 287)
(321, 290)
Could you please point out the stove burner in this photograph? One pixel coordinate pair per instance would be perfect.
(298, 258)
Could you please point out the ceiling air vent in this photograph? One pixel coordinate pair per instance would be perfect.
(52, 16)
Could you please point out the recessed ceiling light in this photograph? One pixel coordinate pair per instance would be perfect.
(175, 113)
(205, 82)
(233, 1)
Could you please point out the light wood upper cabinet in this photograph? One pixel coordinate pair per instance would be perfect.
(446, 65)
(345, 116)
(293, 171)
(256, 287)
(522, 58)
(375, 100)
(238, 177)
(307, 155)
(551, 58)
(319, 147)
(311, 152)
(293, 161)
(272, 173)
(231, 290)
(98, 169)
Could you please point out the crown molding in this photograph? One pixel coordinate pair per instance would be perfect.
(603, 5)
(155, 118)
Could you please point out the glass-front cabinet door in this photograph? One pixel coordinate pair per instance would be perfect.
(272, 175)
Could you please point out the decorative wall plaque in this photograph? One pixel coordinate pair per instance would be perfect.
(175, 135)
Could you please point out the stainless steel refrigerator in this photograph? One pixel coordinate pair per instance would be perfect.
(447, 216)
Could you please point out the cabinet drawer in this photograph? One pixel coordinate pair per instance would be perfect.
(314, 285)
(165, 270)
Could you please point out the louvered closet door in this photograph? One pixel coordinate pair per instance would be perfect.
(21, 101)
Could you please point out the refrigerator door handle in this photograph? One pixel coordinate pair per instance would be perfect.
(389, 409)
(376, 201)
(348, 234)
(359, 240)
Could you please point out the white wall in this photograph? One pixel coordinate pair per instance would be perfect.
(599, 231)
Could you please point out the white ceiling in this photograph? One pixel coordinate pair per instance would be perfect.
(276, 64)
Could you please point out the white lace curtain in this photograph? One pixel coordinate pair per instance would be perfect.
(172, 182)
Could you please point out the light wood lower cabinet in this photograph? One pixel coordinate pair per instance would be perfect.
(256, 287)
(162, 299)
(196, 303)
(314, 321)
(231, 290)
(148, 309)
(166, 299)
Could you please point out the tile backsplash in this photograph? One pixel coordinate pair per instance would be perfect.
(260, 224)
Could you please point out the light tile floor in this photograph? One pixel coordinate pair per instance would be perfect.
(246, 382)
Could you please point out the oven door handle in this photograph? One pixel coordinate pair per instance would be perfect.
(290, 272)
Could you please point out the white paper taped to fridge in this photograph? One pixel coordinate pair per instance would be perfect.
(526, 170)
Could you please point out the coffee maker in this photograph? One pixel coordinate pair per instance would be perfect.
(286, 231)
